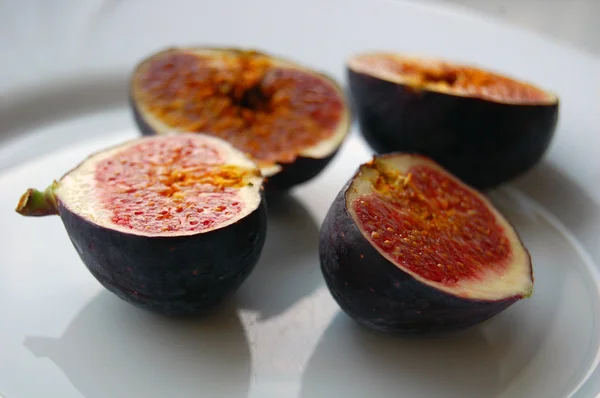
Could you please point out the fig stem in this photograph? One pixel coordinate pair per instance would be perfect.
(34, 203)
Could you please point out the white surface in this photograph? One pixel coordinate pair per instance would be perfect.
(570, 21)
(62, 335)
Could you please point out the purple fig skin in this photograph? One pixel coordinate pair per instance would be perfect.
(302, 170)
(179, 275)
(484, 143)
(379, 295)
(139, 120)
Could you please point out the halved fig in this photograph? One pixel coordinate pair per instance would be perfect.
(407, 247)
(172, 224)
(483, 127)
(289, 118)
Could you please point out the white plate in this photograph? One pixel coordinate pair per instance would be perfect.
(63, 336)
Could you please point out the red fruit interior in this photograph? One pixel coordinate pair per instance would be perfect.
(460, 79)
(178, 184)
(431, 225)
(271, 112)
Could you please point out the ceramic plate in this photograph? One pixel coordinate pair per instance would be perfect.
(282, 335)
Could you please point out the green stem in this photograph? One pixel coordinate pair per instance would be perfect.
(36, 203)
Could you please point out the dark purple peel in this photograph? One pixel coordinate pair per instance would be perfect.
(300, 171)
(140, 122)
(483, 142)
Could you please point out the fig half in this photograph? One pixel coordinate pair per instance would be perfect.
(407, 247)
(173, 224)
(483, 127)
(289, 118)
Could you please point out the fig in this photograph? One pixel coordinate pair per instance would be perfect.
(289, 118)
(172, 224)
(483, 127)
(407, 247)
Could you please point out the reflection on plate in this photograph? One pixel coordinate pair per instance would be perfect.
(114, 350)
(286, 271)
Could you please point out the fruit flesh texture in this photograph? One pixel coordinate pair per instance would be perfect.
(377, 294)
(430, 225)
(180, 184)
(459, 79)
(270, 111)
(384, 296)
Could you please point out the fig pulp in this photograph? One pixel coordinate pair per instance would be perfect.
(407, 247)
(482, 127)
(289, 118)
(173, 224)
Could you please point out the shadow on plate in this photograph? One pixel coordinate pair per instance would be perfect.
(112, 349)
(353, 362)
(288, 269)
(53, 102)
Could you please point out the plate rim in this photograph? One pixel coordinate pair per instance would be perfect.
(591, 265)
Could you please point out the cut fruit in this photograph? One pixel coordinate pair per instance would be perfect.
(407, 247)
(289, 118)
(173, 224)
(483, 127)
